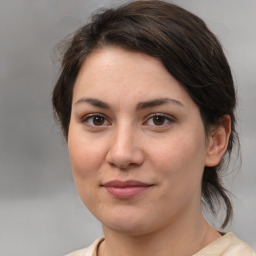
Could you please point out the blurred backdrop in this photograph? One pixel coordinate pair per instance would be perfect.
(40, 211)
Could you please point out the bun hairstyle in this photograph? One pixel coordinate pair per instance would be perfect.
(188, 50)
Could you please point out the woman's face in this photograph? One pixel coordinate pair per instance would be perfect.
(136, 141)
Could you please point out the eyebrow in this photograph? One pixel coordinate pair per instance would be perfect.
(94, 102)
(157, 102)
(140, 105)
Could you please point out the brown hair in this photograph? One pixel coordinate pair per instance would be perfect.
(188, 50)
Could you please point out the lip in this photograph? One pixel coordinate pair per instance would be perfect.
(126, 189)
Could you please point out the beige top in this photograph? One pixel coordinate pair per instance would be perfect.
(227, 245)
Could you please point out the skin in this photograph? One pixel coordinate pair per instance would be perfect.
(115, 135)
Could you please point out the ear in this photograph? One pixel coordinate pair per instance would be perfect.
(218, 141)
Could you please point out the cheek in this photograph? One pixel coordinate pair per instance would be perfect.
(180, 150)
(85, 152)
(87, 157)
(85, 163)
(181, 160)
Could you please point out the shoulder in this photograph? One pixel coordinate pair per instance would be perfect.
(227, 245)
(89, 251)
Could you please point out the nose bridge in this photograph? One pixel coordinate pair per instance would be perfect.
(125, 149)
(124, 135)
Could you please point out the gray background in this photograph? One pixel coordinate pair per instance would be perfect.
(40, 212)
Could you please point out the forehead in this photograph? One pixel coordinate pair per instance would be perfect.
(114, 73)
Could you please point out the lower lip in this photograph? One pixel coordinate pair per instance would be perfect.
(126, 192)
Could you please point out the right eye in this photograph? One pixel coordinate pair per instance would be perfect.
(95, 120)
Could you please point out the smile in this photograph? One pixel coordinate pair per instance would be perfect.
(126, 189)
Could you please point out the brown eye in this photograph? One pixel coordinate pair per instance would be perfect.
(94, 120)
(98, 120)
(159, 120)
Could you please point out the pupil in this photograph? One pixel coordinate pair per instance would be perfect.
(158, 120)
(98, 120)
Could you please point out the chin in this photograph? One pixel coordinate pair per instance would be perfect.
(129, 229)
(128, 222)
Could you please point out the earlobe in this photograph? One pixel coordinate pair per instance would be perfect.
(218, 141)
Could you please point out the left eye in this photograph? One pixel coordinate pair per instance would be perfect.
(159, 120)
(95, 120)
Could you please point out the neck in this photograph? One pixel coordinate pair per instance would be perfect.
(170, 240)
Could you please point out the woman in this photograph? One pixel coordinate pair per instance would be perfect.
(146, 102)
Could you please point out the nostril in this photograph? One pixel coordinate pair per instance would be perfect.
(125, 150)
(125, 161)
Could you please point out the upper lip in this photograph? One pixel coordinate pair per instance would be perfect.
(127, 183)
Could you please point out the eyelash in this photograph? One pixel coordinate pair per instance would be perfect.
(166, 119)
(85, 120)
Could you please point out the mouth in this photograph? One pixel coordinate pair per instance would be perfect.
(125, 189)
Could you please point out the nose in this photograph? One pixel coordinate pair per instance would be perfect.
(126, 149)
